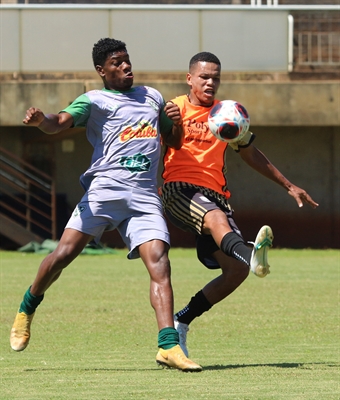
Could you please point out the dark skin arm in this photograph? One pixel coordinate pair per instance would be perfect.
(175, 137)
(260, 163)
(49, 123)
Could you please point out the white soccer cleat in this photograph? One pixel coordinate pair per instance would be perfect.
(182, 330)
(258, 261)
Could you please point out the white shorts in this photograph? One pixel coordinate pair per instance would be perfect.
(137, 215)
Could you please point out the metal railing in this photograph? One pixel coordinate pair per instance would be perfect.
(318, 48)
(317, 40)
(259, 3)
(27, 195)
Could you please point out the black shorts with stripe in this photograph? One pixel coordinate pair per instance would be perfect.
(185, 205)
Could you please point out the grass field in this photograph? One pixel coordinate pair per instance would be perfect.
(94, 337)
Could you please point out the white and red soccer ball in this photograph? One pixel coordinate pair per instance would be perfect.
(228, 121)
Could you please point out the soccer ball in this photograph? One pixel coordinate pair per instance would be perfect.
(228, 121)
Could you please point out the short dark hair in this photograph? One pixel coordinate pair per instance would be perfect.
(104, 47)
(204, 56)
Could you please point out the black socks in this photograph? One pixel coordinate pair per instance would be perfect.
(233, 245)
(197, 306)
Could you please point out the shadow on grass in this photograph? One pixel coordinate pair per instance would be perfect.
(205, 368)
(90, 369)
(276, 365)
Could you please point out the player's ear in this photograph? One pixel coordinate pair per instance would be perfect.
(189, 79)
(100, 70)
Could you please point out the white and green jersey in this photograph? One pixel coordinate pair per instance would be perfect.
(124, 130)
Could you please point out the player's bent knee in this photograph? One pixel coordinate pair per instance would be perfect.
(65, 254)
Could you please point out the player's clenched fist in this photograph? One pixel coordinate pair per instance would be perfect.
(173, 112)
(34, 117)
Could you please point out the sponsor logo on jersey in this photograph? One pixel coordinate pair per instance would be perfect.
(198, 131)
(136, 163)
(144, 131)
(197, 127)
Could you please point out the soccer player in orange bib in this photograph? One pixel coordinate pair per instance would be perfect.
(195, 194)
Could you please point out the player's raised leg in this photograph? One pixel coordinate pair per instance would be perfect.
(233, 245)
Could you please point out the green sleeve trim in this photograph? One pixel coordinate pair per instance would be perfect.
(80, 110)
(165, 123)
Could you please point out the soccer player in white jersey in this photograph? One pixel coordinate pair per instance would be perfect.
(124, 125)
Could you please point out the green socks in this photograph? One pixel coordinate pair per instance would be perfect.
(30, 302)
(167, 338)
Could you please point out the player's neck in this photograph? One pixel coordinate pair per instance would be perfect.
(196, 102)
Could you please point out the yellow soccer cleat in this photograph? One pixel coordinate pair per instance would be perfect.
(175, 358)
(20, 333)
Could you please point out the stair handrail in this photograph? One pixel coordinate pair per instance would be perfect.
(21, 175)
(26, 173)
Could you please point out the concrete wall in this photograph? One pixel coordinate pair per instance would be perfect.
(268, 103)
(160, 38)
(309, 157)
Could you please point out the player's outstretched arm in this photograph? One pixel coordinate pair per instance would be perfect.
(49, 123)
(258, 161)
(175, 137)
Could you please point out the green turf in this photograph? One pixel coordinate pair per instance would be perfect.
(95, 336)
